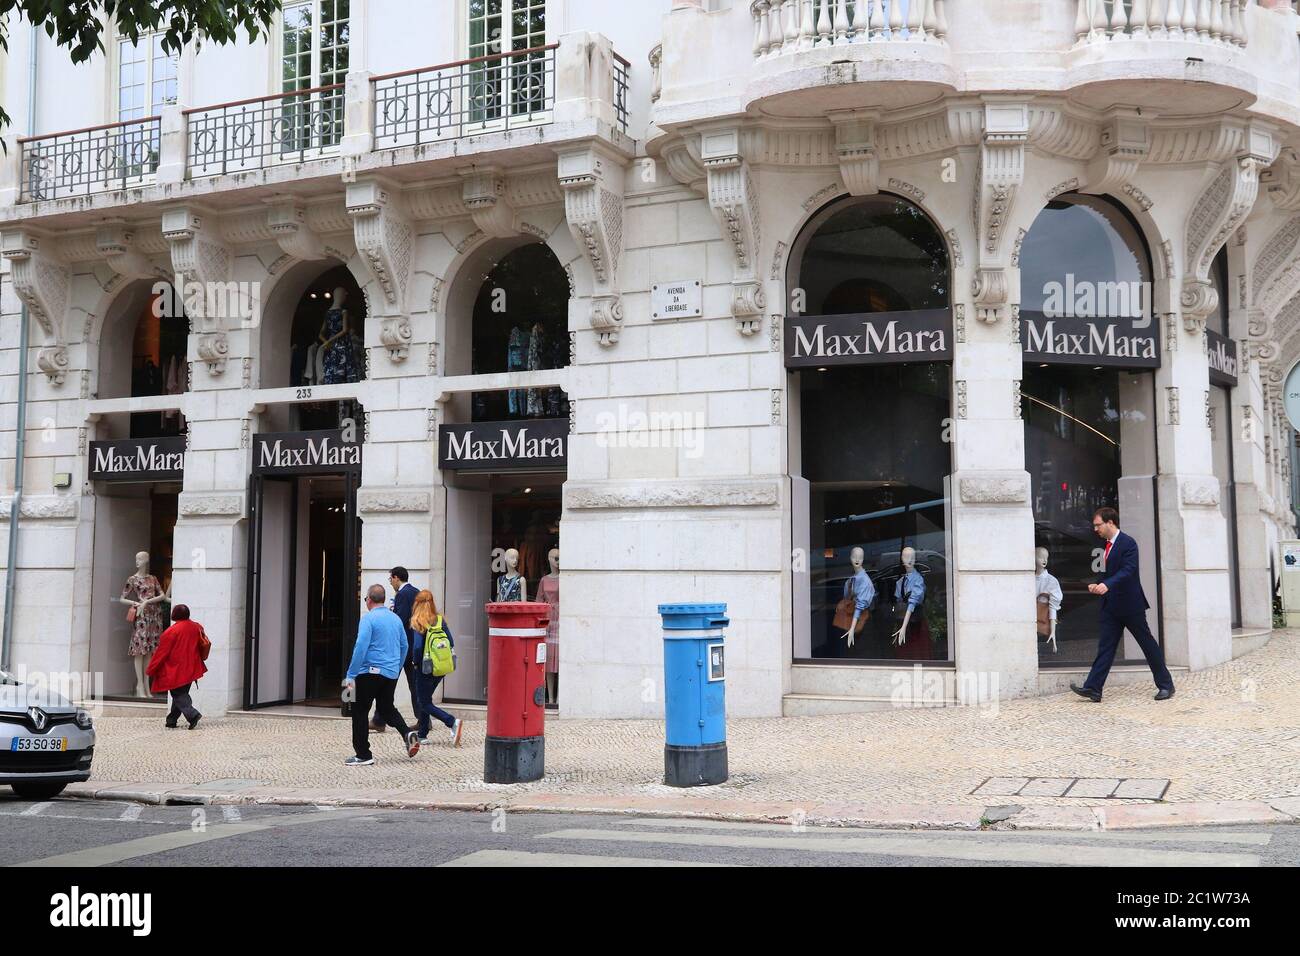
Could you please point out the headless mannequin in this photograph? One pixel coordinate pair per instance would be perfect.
(552, 584)
(909, 564)
(856, 558)
(512, 572)
(1049, 591)
(339, 298)
(142, 661)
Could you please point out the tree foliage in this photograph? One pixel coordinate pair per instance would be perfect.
(78, 26)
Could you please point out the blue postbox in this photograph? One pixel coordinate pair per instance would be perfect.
(695, 753)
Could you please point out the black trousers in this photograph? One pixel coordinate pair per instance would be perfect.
(412, 685)
(374, 689)
(1112, 630)
(182, 704)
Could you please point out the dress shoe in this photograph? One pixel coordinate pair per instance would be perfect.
(1163, 694)
(1092, 695)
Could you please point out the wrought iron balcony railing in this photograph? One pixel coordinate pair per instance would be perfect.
(265, 131)
(95, 159)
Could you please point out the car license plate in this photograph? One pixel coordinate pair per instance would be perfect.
(39, 744)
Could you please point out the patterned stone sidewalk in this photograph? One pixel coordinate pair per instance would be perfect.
(1231, 737)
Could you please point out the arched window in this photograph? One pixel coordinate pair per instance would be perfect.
(871, 456)
(1090, 339)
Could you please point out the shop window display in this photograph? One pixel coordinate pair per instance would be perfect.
(159, 366)
(327, 345)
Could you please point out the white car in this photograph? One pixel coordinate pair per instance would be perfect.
(46, 743)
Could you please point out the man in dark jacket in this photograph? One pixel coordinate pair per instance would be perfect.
(403, 600)
(1123, 605)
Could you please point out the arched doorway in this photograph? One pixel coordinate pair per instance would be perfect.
(1090, 343)
(870, 364)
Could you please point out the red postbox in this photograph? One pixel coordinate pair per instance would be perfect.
(516, 717)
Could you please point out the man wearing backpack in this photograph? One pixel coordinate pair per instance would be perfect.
(434, 659)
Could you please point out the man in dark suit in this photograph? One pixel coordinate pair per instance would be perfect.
(1123, 605)
(403, 601)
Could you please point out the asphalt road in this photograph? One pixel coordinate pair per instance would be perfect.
(72, 832)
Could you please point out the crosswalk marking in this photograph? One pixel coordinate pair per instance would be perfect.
(1116, 836)
(131, 812)
(522, 858)
(924, 846)
(36, 809)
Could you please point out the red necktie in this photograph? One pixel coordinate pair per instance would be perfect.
(1106, 556)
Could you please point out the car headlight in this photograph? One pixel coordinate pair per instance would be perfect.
(84, 721)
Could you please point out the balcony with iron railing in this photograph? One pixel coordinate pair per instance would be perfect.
(449, 110)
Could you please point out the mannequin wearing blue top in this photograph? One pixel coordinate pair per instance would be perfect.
(910, 588)
(864, 592)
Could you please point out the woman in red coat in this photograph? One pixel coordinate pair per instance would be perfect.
(178, 663)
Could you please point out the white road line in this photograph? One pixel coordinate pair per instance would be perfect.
(36, 809)
(84, 819)
(131, 812)
(925, 846)
(520, 858)
(1128, 836)
(146, 846)
(231, 814)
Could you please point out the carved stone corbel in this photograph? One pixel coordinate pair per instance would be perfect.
(42, 283)
(484, 194)
(202, 263)
(115, 243)
(734, 202)
(592, 181)
(1001, 173)
(287, 221)
(1281, 181)
(855, 145)
(385, 241)
(1124, 144)
(1221, 208)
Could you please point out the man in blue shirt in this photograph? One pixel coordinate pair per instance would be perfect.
(382, 647)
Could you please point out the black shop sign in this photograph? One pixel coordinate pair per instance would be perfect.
(1117, 342)
(305, 453)
(1223, 359)
(138, 459)
(874, 338)
(539, 444)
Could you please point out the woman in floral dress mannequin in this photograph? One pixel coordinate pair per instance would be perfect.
(548, 591)
(145, 595)
(340, 360)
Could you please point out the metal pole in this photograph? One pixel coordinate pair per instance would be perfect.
(20, 441)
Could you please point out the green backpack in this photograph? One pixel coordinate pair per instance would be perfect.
(439, 659)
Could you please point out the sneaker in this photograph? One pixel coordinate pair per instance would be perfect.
(359, 762)
(195, 722)
(454, 730)
(412, 744)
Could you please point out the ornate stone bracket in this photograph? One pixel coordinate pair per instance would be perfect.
(1001, 173)
(484, 194)
(42, 283)
(1221, 208)
(287, 221)
(1125, 143)
(386, 242)
(855, 145)
(202, 262)
(115, 243)
(734, 202)
(592, 180)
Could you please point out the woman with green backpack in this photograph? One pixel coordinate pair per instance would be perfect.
(433, 648)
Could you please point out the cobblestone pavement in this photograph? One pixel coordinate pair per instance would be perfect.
(1231, 733)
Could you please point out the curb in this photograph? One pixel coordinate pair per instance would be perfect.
(899, 817)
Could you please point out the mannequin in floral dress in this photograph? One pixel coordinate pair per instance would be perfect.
(340, 362)
(512, 586)
(548, 591)
(145, 596)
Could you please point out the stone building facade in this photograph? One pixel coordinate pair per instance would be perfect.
(816, 266)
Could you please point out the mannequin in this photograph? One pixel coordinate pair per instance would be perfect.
(910, 588)
(1049, 596)
(336, 355)
(512, 586)
(145, 595)
(862, 590)
(548, 590)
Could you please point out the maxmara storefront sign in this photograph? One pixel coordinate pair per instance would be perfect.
(138, 459)
(537, 444)
(305, 453)
(1223, 358)
(874, 338)
(1116, 341)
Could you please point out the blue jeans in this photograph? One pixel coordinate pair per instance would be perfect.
(425, 685)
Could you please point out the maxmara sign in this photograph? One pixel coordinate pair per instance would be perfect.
(138, 459)
(305, 453)
(819, 341)
(1223, 358)
(530, 445)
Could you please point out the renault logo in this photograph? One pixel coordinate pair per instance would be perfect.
(38, 718)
